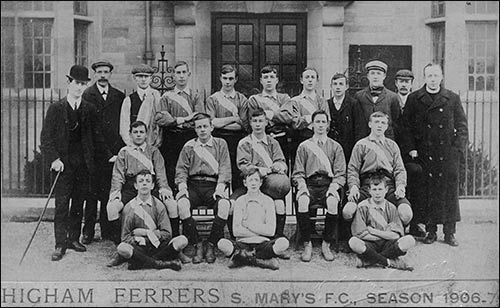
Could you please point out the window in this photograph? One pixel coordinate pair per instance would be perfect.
(438, 9)
(81, 43)
(8, 53)
(37, 44)
(35, 5)
(438, 43)
(481, 7)
(80, 8)
(482, 55)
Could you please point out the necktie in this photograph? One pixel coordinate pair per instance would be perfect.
(143, 96)
(76, 106)
(375, 91)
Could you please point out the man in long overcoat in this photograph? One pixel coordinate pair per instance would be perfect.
(435, 131)
(70, 140)
(108, 102)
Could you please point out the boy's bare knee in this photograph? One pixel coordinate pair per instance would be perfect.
(125, 250)
(179, 242)
(332, 205)
(406, 242)
(223, 208)
(303, 204)
(349, 210)
(280, 207)
(405, 213)
(357, 245)
(184, 208)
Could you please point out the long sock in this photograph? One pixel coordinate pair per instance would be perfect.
(217, 231)
(372, 256)
(330, 224)
(230, 226)
(280, 225)
(189, 230)
(303, 220)
(143, 260)
(174, 222)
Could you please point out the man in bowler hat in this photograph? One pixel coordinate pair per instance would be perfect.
(108, 102)
(71, 141)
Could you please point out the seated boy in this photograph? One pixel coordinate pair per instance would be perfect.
(146, 233)
(377, 230)
(264, 152)
(254, 224)
(318, 174)
(202, 175)
(131, 159)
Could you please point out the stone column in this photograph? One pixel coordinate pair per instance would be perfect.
(185, 23)
(456, 49)
(64, 39)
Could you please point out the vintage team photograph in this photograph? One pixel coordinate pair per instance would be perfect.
(249, 153)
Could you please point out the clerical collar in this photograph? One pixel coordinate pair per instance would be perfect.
(254, 138)
(430, 91)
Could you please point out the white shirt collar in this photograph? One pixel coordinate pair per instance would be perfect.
(210, 142)
(141, 92)
(372, 138)
(311, 96)
(179, 91)
(317, 138)
(432, 91)
(402, 103)
(72, 102)
(273, 95)
(254, 138)
(230, 95)
(375, 205)
(149, 201)
(141, 147)
(101, 89)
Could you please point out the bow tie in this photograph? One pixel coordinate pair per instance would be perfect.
(375, 91)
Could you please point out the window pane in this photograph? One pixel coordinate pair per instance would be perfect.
(289, 54)
(228, 33)
(290, 72)
(38, 46)
(39, 81)
(289, 33)
(228, 53)
(480, 83)
(272, 33)
(47, 63)
(471, 83)
(480, 66)
(246, 53)
(480, 52)
(471, 66)
(490, 83)
(245, 72)
(245, 33)
(272, 54)
(46, 46)
(38, 30)
(490, 65)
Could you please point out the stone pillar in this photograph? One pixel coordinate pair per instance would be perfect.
(64, 40)
(456, 49)
(185, 24)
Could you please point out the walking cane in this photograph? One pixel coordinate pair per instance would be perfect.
(41, 216)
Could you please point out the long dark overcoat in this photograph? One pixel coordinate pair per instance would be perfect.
(387, 102)
(54, 138)
(108, 112)
(437, 129)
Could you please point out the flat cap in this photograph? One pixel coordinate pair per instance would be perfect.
(142, 69)
(404, 74)
(99, 63)
(376, 65)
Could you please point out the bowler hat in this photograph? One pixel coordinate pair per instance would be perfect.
(376, 65)
(404, 74)
(102, 63)
(79, 73)
(142, 69)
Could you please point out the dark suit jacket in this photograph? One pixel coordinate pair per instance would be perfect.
(108, 112)
(343, 124)
(54, 138)
(387, 102)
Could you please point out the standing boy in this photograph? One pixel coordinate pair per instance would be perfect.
(378, 235)
(202, 175)
(319, 173)
(254, 225)
(146, 234)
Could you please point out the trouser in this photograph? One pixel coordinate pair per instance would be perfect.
(172, 144)
(99, 191)
(144, 256)
(263, 250)
(73, 184)
(414, 191)
(449, 228)
(381, 250)
(232, 138)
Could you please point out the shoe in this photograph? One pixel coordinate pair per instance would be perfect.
(344, 247)
(198, 258)
(184, 259)
(416, 231)
(430, 238)
(362, 263)
(58, 253)
(76, 246)
(285, 255)
(307, 253)
(116, 260)
(327, 253)
(173, 265)
(399, 264)
(87, 239)
(269, 263)
(236, 260)
(450, 240)
(210, 253)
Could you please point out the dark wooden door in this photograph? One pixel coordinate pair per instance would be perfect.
(395, 56)
(251, 41)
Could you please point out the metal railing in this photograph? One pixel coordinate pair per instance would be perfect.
(25, 174)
